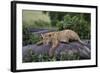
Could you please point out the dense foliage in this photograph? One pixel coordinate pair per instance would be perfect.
(45, 58)
(28, 37)
(79, 22)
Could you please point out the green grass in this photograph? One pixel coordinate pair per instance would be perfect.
(35, 19)
(31, 15)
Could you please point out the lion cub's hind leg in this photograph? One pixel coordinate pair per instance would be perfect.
(65, 41)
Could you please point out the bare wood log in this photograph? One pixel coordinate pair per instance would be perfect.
(73, 47)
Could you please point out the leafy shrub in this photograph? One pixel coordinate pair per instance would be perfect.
(60, 25)
(45, 58)
(76, 23)
(26, 35)
(29, 37)
(79, 22)
(41, 24)
(67, 56)
(34, 39)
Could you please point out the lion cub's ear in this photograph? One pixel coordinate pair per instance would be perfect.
(49, 35)
(41, 35)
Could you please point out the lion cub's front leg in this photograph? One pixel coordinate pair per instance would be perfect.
(40, 42)
(53, 48)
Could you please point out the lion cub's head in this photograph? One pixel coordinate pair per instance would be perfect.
(46, 38)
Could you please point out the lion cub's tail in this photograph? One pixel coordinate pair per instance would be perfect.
(84, 45)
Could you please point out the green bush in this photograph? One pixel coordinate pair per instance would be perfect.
(59, 25)
(45, 58)
(28, 37)
(76, 23)
(67, 56)
(34, 39)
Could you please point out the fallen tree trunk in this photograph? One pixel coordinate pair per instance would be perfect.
(71, 48)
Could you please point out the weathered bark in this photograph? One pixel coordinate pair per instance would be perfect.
(70, 48)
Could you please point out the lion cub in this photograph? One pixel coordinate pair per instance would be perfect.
(59, 36)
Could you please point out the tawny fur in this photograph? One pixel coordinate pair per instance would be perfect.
(59, 36)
